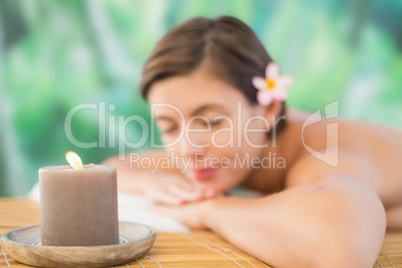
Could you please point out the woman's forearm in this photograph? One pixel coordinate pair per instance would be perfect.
(305, 226)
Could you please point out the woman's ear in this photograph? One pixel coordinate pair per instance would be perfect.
(272, 112)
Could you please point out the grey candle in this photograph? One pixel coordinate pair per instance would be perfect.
(78, 207)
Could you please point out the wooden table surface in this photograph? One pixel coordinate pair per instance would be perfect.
(195, 249)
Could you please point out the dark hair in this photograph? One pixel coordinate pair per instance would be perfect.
(229, 48)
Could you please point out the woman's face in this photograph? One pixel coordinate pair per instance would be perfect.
(208, 128)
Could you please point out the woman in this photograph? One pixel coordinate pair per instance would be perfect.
(335, 184)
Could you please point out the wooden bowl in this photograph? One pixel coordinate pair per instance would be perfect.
(24, 246)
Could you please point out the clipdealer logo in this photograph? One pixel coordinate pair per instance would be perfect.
(331, 154)
(117, 128)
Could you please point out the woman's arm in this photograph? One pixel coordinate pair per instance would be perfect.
(337, 222)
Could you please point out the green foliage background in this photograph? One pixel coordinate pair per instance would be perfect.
(56, 54)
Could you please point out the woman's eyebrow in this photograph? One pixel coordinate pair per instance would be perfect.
(205, 107)
(193, 113)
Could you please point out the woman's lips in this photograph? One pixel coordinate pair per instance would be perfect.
(204, 174)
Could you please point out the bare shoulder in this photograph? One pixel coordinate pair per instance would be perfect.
(369, 152)
(364, 139)
(308, 168)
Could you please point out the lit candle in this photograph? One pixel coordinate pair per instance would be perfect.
(78, 204)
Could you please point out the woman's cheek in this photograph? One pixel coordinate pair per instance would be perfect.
(254, 134)
(222, 139)
(255, 139)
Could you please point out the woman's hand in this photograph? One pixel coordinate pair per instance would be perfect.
(175, 189)
(193, 215)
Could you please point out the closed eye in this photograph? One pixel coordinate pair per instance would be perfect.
(165, 124)
(213, 123)
(169, 130)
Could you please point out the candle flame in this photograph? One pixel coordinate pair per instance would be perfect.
(74, 160)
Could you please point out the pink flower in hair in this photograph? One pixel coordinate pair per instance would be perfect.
(273, 86)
